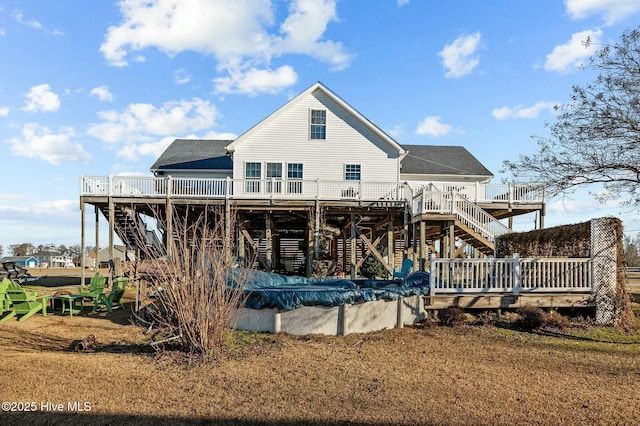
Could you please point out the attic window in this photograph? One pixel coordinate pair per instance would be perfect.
(318, 124)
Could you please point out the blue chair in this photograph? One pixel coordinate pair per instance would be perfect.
(407, 266)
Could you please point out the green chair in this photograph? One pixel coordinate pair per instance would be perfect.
(24, 303)
(114, 299)
(96, 287)
(5, 303)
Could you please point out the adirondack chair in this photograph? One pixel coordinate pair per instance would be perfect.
(114, 299)
(5, 303)
(96, 287)
(25, 303)
(407, 266)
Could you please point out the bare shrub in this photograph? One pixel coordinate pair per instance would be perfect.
(534, 318)
(529, 318)
(451, 316)
(554, 320)
(194, 298)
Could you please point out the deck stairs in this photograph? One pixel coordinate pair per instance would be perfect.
(132, 230)
(472, 224)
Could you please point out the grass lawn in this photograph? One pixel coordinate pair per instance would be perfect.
(427, 374)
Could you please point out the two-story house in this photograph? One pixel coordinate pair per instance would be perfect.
(317, 180)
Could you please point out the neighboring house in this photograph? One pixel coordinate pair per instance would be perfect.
(119, 252)
(24, 261)
(53, 259)
(317, 180)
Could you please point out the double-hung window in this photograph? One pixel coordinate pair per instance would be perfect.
(274, 177)
(253, 173)
(318, 122)
(294, 178)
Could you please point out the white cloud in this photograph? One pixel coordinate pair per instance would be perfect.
(566, 57)
(29, 22)
(40, 142)
(180, 77)
(254, 81)
(521, 111)
(459, 58)
(4, 111)
(402, 2)
(432, 126)
(154, 149)
(144, 122)
(103, 93)
(41, 98)
(240, 35)
(612, 11)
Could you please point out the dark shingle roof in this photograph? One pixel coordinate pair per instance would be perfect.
(442, 160)
(194, 154)
(206, 154)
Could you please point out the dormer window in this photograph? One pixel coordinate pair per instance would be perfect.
(318, 124)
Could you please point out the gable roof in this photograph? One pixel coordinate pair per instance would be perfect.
(338, 100)
(194, 154)
(441, 160)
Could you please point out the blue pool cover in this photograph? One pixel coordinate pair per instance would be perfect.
(266, 290)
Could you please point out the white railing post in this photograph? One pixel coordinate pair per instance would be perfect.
(227, 188)
(81, 184)
(517, 276)
(110, 191)
(359, 190)
(432, 275)
(168, 186)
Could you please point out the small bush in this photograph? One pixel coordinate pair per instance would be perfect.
(451, 316)
(529, 318)
(553, 319)
(533, 318)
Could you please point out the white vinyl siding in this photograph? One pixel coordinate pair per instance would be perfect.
(284, 138)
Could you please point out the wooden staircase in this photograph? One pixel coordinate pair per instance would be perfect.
(132, 230)
(473, 238)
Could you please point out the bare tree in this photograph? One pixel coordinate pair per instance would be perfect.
(596, 138)
(24, 249)
(197, 292)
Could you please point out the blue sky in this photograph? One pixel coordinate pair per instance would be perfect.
(99, 87)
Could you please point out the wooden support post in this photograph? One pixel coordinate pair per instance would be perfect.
(316, 232)
(227, 233)
(82, 243)
(169, 230)
(268, 223)
(112, 214)
(309, 238)
(390, 246)
(241, 248)
(353, 248)
(452, 239)
(405, 233)
(423, 245)
(97, 229)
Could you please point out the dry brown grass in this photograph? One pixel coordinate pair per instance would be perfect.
(420, 375)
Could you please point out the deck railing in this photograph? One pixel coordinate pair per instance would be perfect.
(487, 193)
(150, 186)
(435, 201)
(286, 189)
(510, 275)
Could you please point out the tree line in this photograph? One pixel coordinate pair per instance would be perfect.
(29, 249)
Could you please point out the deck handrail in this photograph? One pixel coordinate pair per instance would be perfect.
(510, 275)
(186, 187)
(476, 218)
(220, 188)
